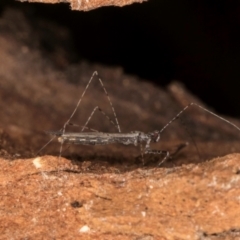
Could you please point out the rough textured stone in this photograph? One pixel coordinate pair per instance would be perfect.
(195, 201)
(87, 5)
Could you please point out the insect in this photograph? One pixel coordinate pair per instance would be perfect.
(135, 138)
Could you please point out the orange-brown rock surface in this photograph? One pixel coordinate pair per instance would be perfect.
(87, 5)
(51, 198)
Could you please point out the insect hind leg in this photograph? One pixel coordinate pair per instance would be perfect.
(166, 153)
(159, 152)
(116, 124)
(104, 114)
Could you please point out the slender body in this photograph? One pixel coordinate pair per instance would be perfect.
(101, 138)
(135, 138)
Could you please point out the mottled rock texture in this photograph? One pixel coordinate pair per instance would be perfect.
(195, 201)
(87, 5)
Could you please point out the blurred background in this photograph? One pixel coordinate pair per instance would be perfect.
(195, 42)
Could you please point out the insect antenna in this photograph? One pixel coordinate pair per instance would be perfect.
(203, 108)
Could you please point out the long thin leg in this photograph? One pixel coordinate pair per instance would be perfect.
(110, 102)
(90, 117)
(166, 153)
(45, 145)
(160, 152)
(78, 103)
(75, 109)
(100, 110)
(68, 122)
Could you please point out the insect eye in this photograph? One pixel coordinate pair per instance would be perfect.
(155, 136)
